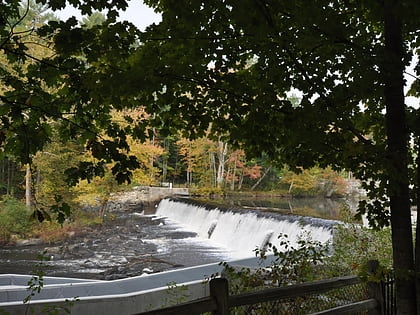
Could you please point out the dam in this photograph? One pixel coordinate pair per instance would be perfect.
(237, 233)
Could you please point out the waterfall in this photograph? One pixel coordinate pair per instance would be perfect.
(242, 231)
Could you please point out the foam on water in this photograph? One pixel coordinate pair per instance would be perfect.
(240, 232)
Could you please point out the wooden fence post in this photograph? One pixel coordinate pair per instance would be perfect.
(219, 291)
(375, 287)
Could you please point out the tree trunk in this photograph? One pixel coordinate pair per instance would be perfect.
(38, 183)
(261, 178)
(9, 175)
(104, 205)
(290, 187)
(232, 182)
(28, 190)
(397, 152)
(417, 246)
(221, 156)
(165, 159)
(189, 178)
(164, 169)
(241, 179)
(213, 169)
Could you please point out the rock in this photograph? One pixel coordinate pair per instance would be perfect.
(115, 239)
(29, 242)
(71, 233)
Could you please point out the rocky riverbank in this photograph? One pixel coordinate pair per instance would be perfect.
(118, 248)
(145, 197)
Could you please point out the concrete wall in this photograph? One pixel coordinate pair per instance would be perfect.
(146, 196)
(114, 287)
(120, 304)
(123, 296)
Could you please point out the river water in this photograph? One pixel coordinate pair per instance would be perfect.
(134, 243)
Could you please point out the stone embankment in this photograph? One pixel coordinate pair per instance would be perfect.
(145, 196)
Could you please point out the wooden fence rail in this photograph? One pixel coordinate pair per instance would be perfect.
(219, 300)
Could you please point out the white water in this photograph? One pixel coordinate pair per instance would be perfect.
(240, 233)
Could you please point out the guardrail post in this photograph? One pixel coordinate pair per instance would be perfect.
(219, 291)
(375, 287)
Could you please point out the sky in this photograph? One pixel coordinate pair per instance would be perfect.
(137, 13)
(408, 76)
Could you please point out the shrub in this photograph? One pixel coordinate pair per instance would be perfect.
(291, 264)
(352, 247)
(14, 219)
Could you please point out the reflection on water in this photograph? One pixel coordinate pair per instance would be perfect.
(326, 208)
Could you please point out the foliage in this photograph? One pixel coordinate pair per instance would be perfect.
(300, 184)
(15, 223)
(45, 82)
(11, 174)
(211, 163)
(96, 18)
(207, 191)
(14, 219)
(36, 283)
(291, 264)
(315, 182)
(175, 294)
(49, 168)
(147, 153)
(96, 191)
(51, 231)
(354, 245)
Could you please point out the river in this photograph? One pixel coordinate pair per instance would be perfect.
(134, 243)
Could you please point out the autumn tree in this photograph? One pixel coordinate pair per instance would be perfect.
(315, 182)
(63, 86)
(47, 169)
(199, 158)
(147, 154)
(235, 172)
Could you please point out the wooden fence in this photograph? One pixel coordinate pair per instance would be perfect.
(219, 302)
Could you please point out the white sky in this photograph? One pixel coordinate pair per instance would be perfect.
(410, 100)
(137, 13)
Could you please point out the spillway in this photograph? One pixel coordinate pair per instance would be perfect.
(242, 231)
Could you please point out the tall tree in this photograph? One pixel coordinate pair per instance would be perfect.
(222, 151)
(397, 151)
(229, 66)
(63, 84)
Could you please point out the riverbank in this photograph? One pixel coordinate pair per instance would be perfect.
(146, 197)
(18, 228)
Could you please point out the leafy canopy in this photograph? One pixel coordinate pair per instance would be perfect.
(222, 65)
(231, 66)
(60, 76)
